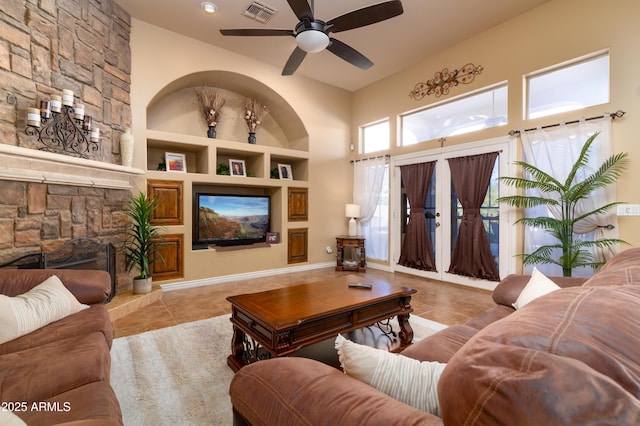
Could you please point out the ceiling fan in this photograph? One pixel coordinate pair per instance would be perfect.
(312, 35)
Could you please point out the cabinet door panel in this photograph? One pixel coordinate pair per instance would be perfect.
(298, 204)
(170, 196)
(297, 245)
(171, 266)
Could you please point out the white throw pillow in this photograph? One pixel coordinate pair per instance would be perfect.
(408, 380)
(7, 418)
(47, 302)
(538, 285)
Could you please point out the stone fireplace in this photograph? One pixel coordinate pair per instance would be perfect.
(47, 199)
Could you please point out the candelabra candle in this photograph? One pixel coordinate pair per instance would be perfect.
(67, 97)
(95, 135)
(78, 112)
(45, 109)
(86, 124)
(56, 103)
(33, 117)
(63, 132)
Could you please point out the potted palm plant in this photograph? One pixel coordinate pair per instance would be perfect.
(564, 198)
(141, 239)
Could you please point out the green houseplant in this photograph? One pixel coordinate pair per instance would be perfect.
(565, 196)
(141, 239)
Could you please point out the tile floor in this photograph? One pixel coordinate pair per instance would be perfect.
(435, 300)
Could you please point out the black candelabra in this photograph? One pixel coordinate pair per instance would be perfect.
(63, 129)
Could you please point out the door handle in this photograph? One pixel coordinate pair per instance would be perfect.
(437, 224)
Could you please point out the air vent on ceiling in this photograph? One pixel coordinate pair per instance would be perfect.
(260, 12)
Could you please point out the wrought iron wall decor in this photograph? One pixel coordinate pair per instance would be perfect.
(442, 80)
(63, 128)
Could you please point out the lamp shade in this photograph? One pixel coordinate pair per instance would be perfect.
(352, 210)
(312, 41)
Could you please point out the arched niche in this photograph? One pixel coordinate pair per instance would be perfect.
(175, 109)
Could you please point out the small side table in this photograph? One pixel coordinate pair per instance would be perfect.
(350, 254)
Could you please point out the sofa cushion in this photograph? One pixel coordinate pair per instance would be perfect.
(300, 391)
(622, 269)
(568, 358)
(39, 373)
(538, 285)
(95, 318)
(442, 345)
(91, 404)
(42, 305)
(87, 286)
(497, 312)
(510, 287)
(402, 378)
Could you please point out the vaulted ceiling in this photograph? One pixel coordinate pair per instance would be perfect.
(424, 28)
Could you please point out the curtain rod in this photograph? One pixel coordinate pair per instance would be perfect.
(370, 158)
(619, 113)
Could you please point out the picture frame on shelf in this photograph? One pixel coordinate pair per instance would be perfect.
(175, 162)
(284, 171)
(237, 168)
(273, 237)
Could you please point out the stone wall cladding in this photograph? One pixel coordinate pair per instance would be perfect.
(47, 46)
(51, 45)
(37, 217)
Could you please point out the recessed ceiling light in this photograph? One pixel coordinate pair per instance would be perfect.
(209, 7)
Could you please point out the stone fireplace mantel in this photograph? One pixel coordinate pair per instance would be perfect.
(31, 165)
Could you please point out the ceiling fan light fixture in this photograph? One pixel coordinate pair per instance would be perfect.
(312, 41)
(209, 8)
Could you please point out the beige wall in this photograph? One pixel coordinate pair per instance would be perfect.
(558, 31)
(160, 57)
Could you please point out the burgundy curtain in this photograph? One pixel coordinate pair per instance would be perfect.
(472, 256)
(417, 252)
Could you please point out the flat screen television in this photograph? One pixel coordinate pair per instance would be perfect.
(229, 220)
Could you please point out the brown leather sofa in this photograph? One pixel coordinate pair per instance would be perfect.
(59, 374)
(569, 357)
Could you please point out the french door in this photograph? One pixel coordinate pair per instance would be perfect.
(443, 212)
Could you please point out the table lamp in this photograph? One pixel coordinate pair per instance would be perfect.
(352, 211)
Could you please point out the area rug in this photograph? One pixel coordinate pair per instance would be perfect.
(179, 375)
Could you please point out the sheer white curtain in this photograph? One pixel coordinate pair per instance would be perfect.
(554, 151)
(371, 192)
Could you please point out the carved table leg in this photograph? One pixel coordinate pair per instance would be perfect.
(236, 360)
(406, 332)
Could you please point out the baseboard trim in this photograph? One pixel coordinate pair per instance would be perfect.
(244, 276)
(379, 266)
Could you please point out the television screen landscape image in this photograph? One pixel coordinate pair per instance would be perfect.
(231, 219)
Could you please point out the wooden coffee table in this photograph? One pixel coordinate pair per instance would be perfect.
(279, 322)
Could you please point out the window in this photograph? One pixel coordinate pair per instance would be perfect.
(376, 230)
(569, 87)
(470, 113)
(375, 137)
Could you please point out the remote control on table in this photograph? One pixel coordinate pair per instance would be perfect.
(360, 285)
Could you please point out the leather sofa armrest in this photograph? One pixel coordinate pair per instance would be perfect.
(301, 391)
(508, 290)
(88, 286)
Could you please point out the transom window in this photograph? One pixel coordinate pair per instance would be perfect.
(467, 114)
(375, 137)
(568, 87)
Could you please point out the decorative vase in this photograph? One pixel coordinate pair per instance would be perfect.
(211, 133)
(126, 148)
(142, 285)
(252, 137)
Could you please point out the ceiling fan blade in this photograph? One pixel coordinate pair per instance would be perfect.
(366, 16)
(294, 61)
(301, 8)
(349, 54)
(257, 32)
